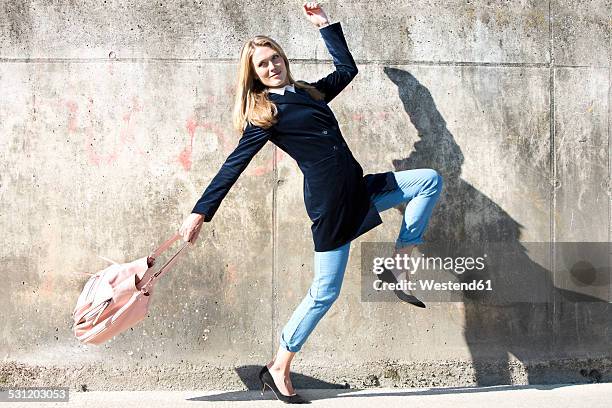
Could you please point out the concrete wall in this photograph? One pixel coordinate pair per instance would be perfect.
(115, 115)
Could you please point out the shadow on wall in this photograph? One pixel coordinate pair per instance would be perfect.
(564, 324)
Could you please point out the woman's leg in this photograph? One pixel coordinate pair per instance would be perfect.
(328, 276)
(280, 369)
(421, 189)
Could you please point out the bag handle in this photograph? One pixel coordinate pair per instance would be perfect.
(169, 263)
(164, 246)
(166, 267)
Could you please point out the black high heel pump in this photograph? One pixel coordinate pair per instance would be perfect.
(266, 380)
(387, 276)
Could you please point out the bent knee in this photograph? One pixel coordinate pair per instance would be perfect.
(434, 181)
(326, 298)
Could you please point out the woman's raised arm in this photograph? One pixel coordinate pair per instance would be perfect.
(332, 34)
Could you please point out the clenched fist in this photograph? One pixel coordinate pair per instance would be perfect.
(315, 14)
(191, 227)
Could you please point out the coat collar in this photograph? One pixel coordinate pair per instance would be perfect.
(281, 91)
(300, 97)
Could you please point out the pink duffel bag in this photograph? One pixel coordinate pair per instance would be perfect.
(118, 297)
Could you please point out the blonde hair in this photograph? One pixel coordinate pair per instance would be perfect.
(252, 104)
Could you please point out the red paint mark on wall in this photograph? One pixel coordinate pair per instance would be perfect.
(126, 132)
(231, 279)
(228, 144)
(230, 90)
(231, 273)
(368, 116)
(185, 155)
(47, 284)
(266, 168)
(72, 112)
(192, 125)
(92, 154)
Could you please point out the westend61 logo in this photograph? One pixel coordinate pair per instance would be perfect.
(404, 263)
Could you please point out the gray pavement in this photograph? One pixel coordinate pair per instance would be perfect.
(557, 396)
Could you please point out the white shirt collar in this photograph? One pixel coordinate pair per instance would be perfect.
(281, 91)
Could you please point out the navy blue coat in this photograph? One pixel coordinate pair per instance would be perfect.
(336, 193)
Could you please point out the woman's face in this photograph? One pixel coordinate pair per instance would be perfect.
(269, 67)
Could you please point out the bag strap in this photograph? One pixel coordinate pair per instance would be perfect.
(164, 246)
(149, 277)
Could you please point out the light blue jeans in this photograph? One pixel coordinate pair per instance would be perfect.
(420, 188)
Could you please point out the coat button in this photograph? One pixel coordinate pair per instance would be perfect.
(335, 147)
(325, 132)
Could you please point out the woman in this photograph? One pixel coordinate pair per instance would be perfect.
(341, 202)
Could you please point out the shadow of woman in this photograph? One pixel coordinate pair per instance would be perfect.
(525, 315)
(248, 374)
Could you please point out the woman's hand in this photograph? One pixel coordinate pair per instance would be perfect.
(315, 14)
(191, 227)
